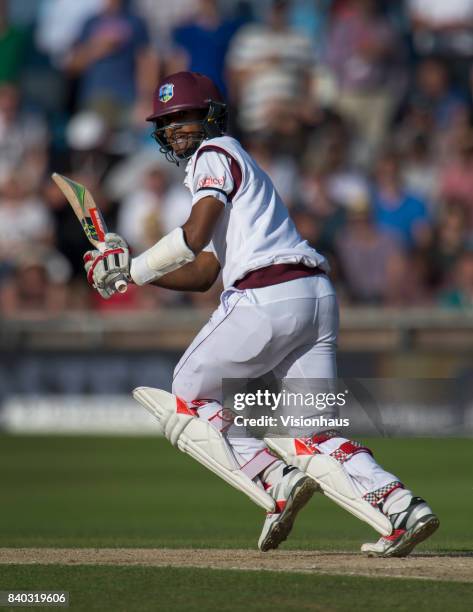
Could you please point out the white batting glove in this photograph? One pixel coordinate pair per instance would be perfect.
(105, 268)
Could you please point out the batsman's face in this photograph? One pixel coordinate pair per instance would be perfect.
(183, 129)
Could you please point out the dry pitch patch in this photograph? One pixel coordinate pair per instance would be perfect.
(450, 567)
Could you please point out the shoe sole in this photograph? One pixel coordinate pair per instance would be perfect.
(422, 530)
(298, 498)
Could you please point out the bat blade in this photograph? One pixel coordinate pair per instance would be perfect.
(90, 217)
(85, 208)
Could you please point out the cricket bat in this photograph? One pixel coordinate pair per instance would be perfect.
(90, 217)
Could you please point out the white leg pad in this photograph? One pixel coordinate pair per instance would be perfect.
(201, 441)
(334, 481)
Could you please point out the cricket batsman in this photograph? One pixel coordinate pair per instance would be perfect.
(278, 313)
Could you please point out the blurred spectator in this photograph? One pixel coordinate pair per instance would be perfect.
(371, 262)
(156, 207)
(444, 27)
(37, 285)
(420, 172)
(460, 295)
(322, 216)
(329, 159)
(24, 219)
(307, 225)
(396, 209)
(201, 44)
(59, 24)
(320, 230)
(23, 138)
(456, 179)
(162, 18)
(282, 169)
(117, 67)
(311, 18)
(448, 242)
(433, 103)
(331, 184)
(46, 82)
(364, 54)
(271, 75)
(12, 46)
(88, 136)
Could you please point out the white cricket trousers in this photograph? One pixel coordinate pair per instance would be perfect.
(290, 329)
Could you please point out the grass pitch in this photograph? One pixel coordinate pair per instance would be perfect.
(140, 492)
(202, 590)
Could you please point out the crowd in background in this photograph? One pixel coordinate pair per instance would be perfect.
(359, 110)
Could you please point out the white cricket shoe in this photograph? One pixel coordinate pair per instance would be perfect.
(410, 527)
(291, 493)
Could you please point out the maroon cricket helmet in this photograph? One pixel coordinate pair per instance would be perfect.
(183, 91)
(186, 91)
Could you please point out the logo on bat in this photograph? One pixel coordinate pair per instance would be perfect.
(91, 230)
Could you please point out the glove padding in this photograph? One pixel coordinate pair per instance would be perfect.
(105, 268)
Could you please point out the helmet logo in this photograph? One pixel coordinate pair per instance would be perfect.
(166, 92)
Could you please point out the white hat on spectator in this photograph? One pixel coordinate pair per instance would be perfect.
(348, 189)
(86, 131)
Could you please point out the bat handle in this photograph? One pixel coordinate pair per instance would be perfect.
(121, 285)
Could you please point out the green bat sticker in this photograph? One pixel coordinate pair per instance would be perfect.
(79, 190)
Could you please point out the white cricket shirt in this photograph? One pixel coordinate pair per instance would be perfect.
(254, 230)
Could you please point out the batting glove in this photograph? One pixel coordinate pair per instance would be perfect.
(105, 268)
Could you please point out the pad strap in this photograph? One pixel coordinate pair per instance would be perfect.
(376, 497)
(258, 464)
(347, 450)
